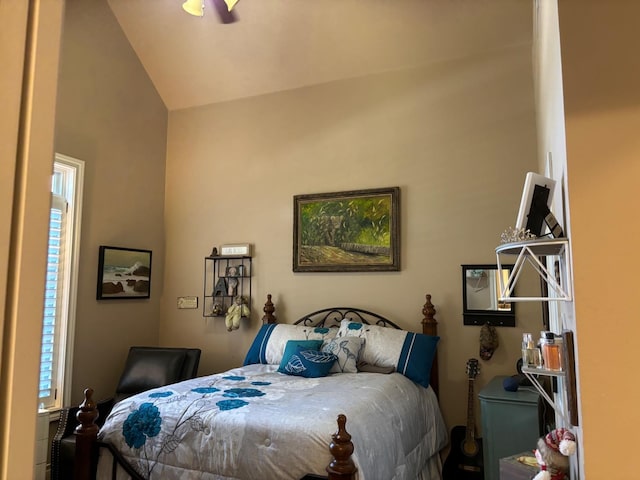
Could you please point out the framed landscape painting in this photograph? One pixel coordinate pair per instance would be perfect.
(123, 273)
(354, 231)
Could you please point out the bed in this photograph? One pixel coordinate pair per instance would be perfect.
(276, 416)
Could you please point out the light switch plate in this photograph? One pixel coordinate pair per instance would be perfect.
(187, 302)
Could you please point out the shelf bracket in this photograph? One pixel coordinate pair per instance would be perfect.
(532, 375)
(531, 253)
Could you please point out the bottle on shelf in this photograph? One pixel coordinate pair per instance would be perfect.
(551, 351)
(531, 355)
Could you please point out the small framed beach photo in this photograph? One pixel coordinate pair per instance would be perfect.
(123, 273)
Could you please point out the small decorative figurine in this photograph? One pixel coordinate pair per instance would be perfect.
(214, 252)
(217, 309)
(221, 287)
(232, 286)
(235, 312)
(552, 454)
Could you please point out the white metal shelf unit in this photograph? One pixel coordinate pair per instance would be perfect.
(534, 253)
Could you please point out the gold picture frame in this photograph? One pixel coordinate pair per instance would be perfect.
(351, 231)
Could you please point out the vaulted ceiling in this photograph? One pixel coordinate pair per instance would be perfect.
(278, 45)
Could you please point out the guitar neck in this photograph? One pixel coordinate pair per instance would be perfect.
(471, 423)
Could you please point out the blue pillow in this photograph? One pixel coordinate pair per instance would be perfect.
(257, 351)
(309, 363)
(416, 357)
(291, 348)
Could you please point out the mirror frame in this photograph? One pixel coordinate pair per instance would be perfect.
(497, 318)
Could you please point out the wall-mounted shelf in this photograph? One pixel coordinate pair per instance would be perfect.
(534, 253)
(567, 374)
(225, 277)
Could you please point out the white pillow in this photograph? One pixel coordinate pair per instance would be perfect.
(411, 354)
(382, 343)
(347, 349)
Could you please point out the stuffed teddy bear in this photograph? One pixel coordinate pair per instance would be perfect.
(552, 454)
(236, 311)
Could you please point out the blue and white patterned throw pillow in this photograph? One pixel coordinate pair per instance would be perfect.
(347, 350)
(309, 363)
(291, 348)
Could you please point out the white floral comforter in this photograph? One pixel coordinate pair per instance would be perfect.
(255, 423)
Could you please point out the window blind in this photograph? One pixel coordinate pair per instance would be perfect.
(52, 303)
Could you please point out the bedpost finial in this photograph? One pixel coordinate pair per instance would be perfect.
(268, 310)
(87, 414)
(342, 422)
(428, 310)
(341, 448)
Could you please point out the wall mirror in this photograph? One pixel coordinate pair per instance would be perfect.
(480, 295)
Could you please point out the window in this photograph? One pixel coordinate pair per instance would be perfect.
(61, 282)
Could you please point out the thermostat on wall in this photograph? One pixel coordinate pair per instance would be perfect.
(236, 249)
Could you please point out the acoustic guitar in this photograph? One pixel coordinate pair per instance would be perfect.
(464, 461)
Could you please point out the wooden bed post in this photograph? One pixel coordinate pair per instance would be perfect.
(430, 327)
(86, 437)
(342, 466)
(268, 311)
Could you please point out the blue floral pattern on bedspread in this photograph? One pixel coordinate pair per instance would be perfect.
(146, 422)
(142, 423)
(248, 423)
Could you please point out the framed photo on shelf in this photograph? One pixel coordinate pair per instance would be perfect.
(352, 231)
(232, 271)
(123, 273)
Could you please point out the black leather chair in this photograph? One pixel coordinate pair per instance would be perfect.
(145, 368)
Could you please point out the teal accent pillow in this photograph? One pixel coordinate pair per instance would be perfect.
(270, 341)
(309, 363)
(291, 348)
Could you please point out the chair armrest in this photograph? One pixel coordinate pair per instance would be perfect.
(67, 422)
(63, 443)
(61, 462)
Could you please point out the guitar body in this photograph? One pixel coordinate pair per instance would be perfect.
(461, 464)
(464, 461)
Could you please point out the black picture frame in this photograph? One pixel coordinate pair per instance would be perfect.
(232, 271)
(351, 231)
(123, 273)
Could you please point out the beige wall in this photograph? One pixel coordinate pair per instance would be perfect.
(602, 108)
(457, 139)
(110, 116)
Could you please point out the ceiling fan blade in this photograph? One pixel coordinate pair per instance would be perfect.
(223, 12)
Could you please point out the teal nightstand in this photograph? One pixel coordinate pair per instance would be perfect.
(510, 423)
